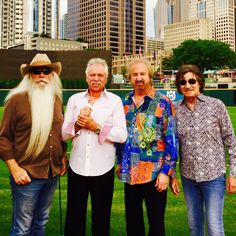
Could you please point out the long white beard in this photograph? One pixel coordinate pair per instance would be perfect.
(42, 108)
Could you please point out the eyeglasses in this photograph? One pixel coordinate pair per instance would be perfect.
(190, 81)
(38, 71)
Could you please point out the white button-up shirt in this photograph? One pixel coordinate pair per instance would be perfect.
(89, 155)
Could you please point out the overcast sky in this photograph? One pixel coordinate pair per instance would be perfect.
(150, 4)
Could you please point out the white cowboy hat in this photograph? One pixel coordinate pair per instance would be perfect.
(40, 60)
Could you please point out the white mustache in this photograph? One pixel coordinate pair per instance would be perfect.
(42, 80)
(99, 83)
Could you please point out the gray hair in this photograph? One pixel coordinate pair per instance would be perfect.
(25, 85)
(97, 61)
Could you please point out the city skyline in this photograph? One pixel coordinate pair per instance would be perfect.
(150, 4)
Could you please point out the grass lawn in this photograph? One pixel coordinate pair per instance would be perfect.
(176, 219)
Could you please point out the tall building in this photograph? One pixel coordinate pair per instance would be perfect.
(116, 25)
(63, 27)
(195, 29)
(169, 12)
(19, 17)
(11, 13)
(160, 16)
(73, 19)
(221, 12)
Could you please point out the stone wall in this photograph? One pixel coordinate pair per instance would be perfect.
(73, 62)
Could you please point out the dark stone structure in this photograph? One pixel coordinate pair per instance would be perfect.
(73, 62)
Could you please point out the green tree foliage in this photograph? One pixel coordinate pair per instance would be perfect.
(82, 40)
(206, 54)
(124, 72)
(167, 63)
(44, 35)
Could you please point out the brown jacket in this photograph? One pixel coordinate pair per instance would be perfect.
(15, 133)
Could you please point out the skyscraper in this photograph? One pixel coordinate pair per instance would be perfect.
(169, 12)
(11, 13)
(160, 16)
(19, 17)
(221, 12)
(73, 19)
(116, 25)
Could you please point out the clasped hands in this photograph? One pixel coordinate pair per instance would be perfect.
(84, 119)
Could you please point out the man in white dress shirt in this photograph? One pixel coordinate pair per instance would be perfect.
(94, 120)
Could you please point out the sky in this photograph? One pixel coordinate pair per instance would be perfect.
(150, 4)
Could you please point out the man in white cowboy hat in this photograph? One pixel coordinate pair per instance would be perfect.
(31, 146)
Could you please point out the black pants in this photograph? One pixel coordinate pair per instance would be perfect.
(100, 189)
(155, 204)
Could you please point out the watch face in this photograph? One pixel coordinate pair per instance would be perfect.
(97, 131)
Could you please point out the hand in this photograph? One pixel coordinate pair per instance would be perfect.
(231, 184)
(64, 164)
(84, 118)
(162, 182)
(86, 122)
(86, 111)
(174, 186)
(19, 174)
(118, 169)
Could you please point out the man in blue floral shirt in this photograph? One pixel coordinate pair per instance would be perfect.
(149, 155)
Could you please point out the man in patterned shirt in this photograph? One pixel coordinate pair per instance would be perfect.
(146, 160)
(204, 130)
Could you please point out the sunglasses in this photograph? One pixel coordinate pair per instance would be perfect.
(190, 81)
(38, 71)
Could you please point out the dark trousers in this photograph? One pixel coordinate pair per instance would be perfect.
(100, 189)
(155, 204)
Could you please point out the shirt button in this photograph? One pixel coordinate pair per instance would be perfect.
(50, 146)
(50, 135)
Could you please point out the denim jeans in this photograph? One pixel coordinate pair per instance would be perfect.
(31, 205)
(205, 199)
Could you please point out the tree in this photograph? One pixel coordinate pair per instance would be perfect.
(206, 54)
(82, 40)
(167, 63)
(44, 35)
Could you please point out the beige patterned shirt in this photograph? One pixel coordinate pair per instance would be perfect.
(203, 135)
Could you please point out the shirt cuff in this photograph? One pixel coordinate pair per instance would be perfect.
(166, 170)
(105, 130)
(232, 171)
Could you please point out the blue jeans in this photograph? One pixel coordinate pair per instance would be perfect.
(31, 205)
(205, 199)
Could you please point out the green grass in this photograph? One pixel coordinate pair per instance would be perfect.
(175, 217)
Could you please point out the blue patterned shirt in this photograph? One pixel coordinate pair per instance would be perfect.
(152, 144)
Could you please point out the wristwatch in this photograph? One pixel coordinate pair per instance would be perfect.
(98, 129)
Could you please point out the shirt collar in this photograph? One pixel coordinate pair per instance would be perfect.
(150, 94)
(104, 92)
(200, 97)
